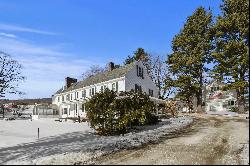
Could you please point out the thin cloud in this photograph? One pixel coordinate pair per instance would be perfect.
(44, 67)
(7, 35)
(9, 27)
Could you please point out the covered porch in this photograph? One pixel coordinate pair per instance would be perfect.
(73, 109)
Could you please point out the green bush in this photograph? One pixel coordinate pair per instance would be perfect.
(110, 114)
(234, 109)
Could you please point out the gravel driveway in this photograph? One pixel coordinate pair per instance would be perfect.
(211, 140)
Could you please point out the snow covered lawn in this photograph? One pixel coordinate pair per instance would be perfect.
(69, 143)
(22, 131)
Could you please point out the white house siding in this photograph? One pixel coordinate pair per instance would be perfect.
(125, 83)
(79, 111)
(131, 79)
(217, 100)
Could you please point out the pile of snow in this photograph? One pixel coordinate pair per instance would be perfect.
(228, 113)
(109, 144)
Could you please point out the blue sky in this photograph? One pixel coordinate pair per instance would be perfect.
(53, 39)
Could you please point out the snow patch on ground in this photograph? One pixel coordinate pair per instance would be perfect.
(106, 145)
(16, 132)
(228, 113)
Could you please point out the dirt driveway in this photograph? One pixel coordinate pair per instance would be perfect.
(210, 140)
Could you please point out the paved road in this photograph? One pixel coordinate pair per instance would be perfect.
(211, 140)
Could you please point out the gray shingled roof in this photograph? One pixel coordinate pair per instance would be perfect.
(108, 75)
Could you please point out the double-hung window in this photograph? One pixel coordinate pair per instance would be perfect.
(139, 71)
(151, 92)
(84, 93)
(138, 89)
(231, 102)
(90, 92)
(115, 86)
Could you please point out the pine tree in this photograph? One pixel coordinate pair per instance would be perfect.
(191, 51)
(140, 55)
(231, 55)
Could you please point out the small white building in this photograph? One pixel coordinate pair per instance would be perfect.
(214, 97)
(217, 99)
(72, 97)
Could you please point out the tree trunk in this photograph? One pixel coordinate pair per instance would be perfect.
(241, 100)
(199, 95)
(199, 104)
(240, 95)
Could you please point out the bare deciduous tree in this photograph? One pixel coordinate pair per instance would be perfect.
(93, 70)
(160, 75)
(10, 75)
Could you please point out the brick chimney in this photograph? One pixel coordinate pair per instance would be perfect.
(111, 66)
(69, 81)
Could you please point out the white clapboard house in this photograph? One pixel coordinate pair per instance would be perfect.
(71, 98)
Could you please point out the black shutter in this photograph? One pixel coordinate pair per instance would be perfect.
(137, 70)
(142, 73)
(116, 87)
